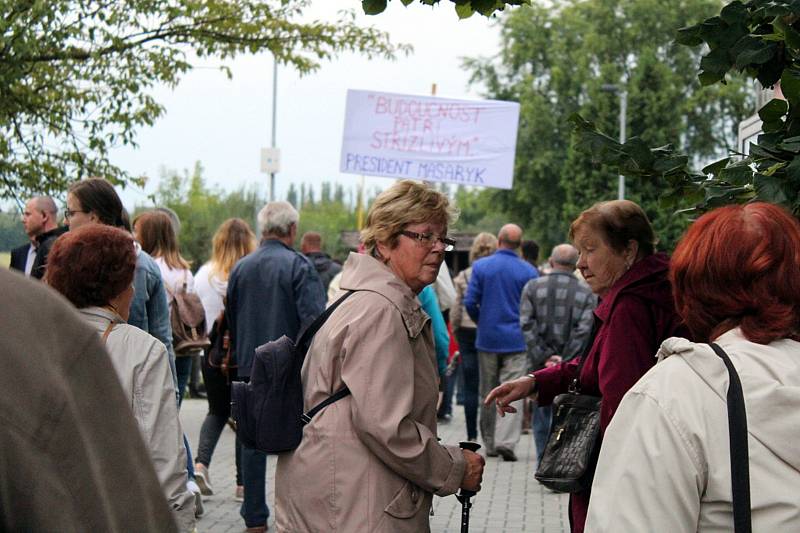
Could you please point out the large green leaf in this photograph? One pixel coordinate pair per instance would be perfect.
(716, 167)
(770, 189)
(373, 7)
(689, 36)
(756, 52)
(790, 85)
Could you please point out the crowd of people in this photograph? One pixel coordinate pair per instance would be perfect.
(608, 314)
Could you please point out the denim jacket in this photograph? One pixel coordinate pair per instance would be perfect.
(149, 308)
(274, 291)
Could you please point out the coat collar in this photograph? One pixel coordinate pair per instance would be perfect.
(365, 273)
(640, 279)
(99, 317)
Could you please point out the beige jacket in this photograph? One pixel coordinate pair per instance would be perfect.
(142, 365)
(665, 459)
(459, 318)
(371, 461)
(71, 459)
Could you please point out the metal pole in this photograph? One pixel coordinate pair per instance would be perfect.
(623, 111)
(274, 121)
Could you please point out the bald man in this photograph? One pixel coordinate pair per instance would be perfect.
(492, 301)
(556, 315)
(40, 217)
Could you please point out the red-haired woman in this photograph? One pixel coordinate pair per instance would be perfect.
(93, 267)
(665, 461)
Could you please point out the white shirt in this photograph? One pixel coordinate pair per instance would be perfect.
(31, 259)
(174, 278)
(211, 291)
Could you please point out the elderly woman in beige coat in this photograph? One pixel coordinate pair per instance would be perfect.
(372, 461)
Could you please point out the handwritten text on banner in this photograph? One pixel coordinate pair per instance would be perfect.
(428, 138)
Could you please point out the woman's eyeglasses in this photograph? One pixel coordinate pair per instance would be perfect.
(69, 213)
(429, 239)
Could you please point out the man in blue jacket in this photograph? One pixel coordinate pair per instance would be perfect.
(492, 301)
(272, 292)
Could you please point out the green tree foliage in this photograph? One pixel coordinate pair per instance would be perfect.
(12, 233)
(76, 75)
(477, 213)
(556, 61)
(463, 8)
(201, 209)
(762, 40)
(329, 215)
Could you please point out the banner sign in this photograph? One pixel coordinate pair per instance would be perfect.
(464, 142)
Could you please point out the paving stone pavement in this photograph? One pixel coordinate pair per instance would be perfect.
(510, 500)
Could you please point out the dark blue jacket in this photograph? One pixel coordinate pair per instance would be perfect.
(272, 292)
(493, 298)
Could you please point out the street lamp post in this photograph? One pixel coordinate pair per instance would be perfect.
(274, 121)
(623, 111)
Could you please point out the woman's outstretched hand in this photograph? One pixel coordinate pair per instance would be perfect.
(508, 392)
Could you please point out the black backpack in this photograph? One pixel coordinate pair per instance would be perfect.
(268, 410)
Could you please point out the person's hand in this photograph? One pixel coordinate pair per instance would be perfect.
(508, 392)
(553, 360)
(473, 473)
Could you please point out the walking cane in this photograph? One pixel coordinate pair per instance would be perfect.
(464, 495)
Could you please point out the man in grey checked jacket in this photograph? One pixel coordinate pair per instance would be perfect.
(556, 319)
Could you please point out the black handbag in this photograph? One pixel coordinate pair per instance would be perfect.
(570, 456)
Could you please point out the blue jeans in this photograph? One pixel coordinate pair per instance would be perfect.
(183, 369)
(542, 417)
(471, 372)
(254, 508)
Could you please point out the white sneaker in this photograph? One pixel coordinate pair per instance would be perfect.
(203, 479)
(198, 498)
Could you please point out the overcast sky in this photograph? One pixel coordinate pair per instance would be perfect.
(224, 123)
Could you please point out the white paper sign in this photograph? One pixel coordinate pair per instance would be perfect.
(467, 142)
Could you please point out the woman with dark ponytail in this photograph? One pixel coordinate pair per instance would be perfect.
(94, 201)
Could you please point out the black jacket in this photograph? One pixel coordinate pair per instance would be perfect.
(19, 257)
(46, 241)
(326, 267)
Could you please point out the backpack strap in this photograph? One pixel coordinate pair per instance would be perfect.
(737, 427)
(335, 397)
(303, 342)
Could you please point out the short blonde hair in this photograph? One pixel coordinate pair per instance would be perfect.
(406, 202)
(484, 244)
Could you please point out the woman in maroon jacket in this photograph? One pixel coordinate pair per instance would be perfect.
(636, 313)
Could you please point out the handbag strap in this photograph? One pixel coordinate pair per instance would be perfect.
(107, 332)
(740, 468)
(575, 386)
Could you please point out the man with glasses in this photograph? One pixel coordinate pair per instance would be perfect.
(40, 220)
(492, 301)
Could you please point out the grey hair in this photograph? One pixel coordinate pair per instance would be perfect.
(276, 218)
(565, 255)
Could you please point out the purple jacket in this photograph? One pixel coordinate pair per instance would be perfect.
(636, 315)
